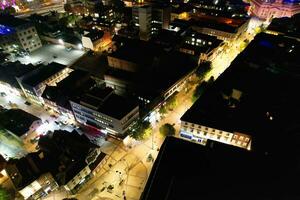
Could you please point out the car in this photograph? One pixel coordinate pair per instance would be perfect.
(69, 48)
(27, 103)
(56, 122)
(53, 116)
(39, 62)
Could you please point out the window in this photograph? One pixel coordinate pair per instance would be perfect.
(206, 128)
(199, 126)
(213, 130)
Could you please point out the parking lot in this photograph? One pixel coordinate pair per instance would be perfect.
(52, 53)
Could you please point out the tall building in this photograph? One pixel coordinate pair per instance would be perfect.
(266, 9)
(17, 34)
(142, 18)
(151, 19)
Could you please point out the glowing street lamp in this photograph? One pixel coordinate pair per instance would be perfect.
(60, 41)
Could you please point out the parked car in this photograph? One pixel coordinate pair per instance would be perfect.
(3, 94)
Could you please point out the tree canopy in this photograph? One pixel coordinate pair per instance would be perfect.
(141, 130)
(167, 130)
(203, 69)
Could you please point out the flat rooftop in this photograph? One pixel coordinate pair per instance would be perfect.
(105, 101)
(156, 73)
(230, 25)
(42, 73)
(9, 72)
(185, 170)
(17, 121)
(76, 83)
(288, 26)
(256, 95)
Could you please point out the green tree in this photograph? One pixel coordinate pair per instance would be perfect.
(203, 69)
(162, 110)
(167, 130)
(141, 130)
(8, 11)
(171, 102)
(4, 195)
(199, 90)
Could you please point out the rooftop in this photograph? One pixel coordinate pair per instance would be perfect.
(9, 72)
(11, 21)
(230, 25)
(105, 101)
(143, 81)
(185, 170)
(287, 26)
(264, 76)
(17, 121)
(77, 82)
(42, 73)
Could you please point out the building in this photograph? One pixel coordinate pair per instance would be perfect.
(243, 107)
(289, 27)
(19, 122)
(132, 72)
(223, 28)
(9, 72)
(34, 83)
(184, 170)
(151, 19)
(96, 41)
(203, 47)
(274, 8)
(65, 160)
(104, 110)
(18, 35)
(29, 176)
(221, 8)
(142, 18)
(161, 16)
(57, 97)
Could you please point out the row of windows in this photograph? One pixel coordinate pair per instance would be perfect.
(26, 32)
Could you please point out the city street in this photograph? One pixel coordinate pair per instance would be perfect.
(126, 168)
(130, 161)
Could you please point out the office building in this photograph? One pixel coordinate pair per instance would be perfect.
(18, 35)
(142, 17)
(57, 97)
(104, 110)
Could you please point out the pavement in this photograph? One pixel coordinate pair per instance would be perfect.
(52, 53)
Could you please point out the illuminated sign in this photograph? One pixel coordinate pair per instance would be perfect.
(4, 30)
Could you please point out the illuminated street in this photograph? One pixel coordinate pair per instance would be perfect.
(135, 159)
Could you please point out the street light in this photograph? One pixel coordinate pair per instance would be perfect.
(60, 41)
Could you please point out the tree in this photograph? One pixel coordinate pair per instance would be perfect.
(141, 130)
(4, 195)
(162, 110)
(171, 102)
(167, 130)
(8, 11)
(199, 90)
(203, 69)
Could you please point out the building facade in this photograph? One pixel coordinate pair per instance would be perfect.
(267, 9)
(200, 134)
(142, 18)
(16, 35)
(100, 113)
